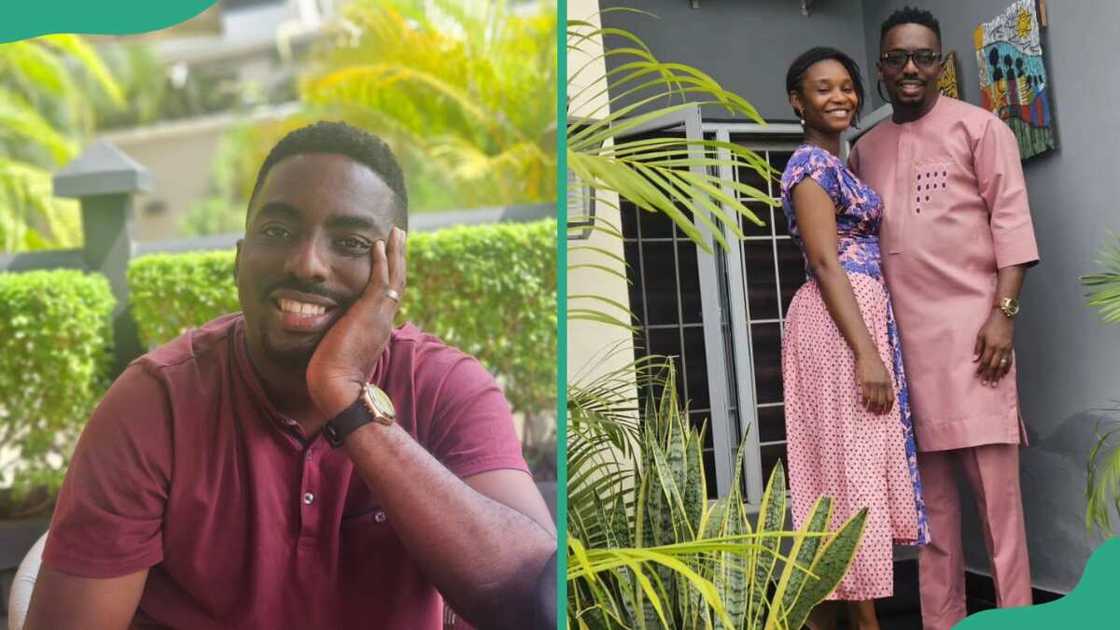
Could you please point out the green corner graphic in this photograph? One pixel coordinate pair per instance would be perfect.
(1090, 605)
(31, 18)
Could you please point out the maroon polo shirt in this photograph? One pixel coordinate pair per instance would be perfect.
(188, 470)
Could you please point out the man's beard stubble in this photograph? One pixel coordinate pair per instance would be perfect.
(293, 358)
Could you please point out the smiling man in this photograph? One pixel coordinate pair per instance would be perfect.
(957, 238)
(303, 463)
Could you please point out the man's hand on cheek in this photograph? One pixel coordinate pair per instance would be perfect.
(344, 360)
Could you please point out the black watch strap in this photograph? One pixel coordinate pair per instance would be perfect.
(347, 422)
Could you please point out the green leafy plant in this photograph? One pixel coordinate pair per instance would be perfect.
(55, 343)
(170, 293)
(674, 175)
(1102, 493)
(45, 112)
(1104, 286)
(491, 291)
(671, 174)
(1103, 485)
(463, 91)
(647, 550)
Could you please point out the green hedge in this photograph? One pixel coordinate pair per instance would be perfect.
(55, 351)
(489, 290)
(170, 293)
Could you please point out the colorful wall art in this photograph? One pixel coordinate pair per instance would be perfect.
(947, 84)
(1013, 82)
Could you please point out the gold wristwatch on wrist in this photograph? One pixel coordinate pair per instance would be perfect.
(372, 405)
(1009, 307)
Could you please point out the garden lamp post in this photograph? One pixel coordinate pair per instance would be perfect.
(103, 179)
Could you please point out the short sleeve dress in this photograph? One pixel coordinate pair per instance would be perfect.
(836, 447)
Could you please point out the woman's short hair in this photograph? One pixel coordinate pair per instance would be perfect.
(805, 60)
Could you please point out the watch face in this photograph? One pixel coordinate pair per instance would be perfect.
(381, 401)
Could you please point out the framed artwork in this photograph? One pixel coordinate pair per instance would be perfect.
(947, 84)
(1013, 82)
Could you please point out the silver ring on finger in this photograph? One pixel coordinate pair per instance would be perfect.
(1003, 362)
(393, 295)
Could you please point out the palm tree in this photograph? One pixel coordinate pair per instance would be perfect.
(463, 91)
(44, 115)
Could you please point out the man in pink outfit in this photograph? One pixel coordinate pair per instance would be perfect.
(957, 239)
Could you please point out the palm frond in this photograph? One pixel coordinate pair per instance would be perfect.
(676, 176)
(1104, 294)
(462, 91)
(45, 111)
(1102, 490)
(30, 217)
(88, 61)
(20, 121)
(30, 62)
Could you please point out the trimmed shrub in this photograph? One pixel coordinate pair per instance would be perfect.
(169, 293)
(55, 354)
(489, 290)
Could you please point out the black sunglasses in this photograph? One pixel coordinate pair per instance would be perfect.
(923, 58)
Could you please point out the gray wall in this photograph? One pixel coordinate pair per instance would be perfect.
(1068, 360)
(746, 48)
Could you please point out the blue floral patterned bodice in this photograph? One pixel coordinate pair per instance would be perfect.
(859, 208)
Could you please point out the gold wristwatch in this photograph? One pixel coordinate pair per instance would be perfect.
(372, 405)
(1009, 307)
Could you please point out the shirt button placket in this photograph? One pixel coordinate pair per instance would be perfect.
(309, 511)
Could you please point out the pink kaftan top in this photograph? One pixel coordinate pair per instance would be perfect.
(955, 211)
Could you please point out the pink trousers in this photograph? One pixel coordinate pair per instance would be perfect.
(993, 472)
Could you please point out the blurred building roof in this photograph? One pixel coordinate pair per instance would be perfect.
(238, 28)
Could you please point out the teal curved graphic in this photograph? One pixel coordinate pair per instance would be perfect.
(1090, 605)
(31, 18)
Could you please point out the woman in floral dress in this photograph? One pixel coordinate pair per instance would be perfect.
(847, 414)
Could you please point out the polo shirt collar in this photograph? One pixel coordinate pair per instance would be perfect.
(252, 381)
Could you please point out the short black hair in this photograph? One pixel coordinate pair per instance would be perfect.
(805, 60)
(339, 138)
(910, 15)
